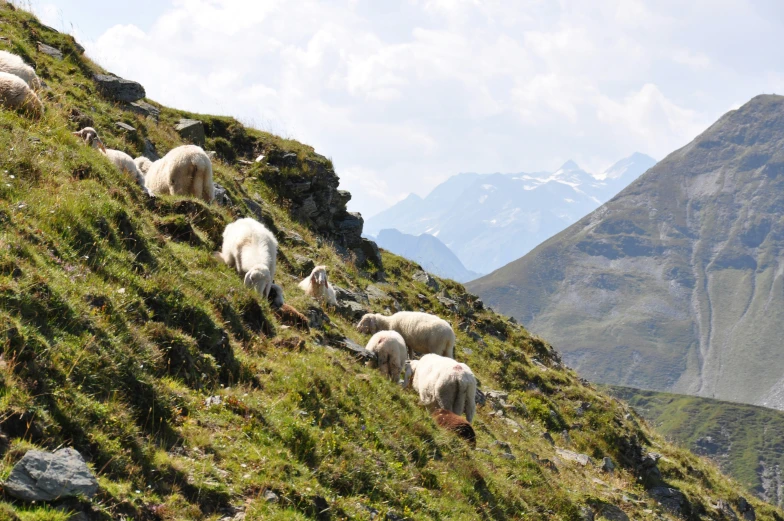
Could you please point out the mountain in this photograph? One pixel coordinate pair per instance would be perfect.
(488, 220)
(746, 441)
(190, 398)
(676, 283)
(428, 251)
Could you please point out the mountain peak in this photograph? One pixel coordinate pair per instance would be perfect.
(630, 167)
(569, 166)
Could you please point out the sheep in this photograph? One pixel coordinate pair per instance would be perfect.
(252, 250)
(291, 317)
(16, 94)
(443, 383)
(452, 422)
(423, 333)
(317, 286)
(185, 170)
(118, 158)
(275, 297)
(13, 64)
(390, 350)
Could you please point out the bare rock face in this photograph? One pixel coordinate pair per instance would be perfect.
(45, 476)
(191, 130)
(119, 89)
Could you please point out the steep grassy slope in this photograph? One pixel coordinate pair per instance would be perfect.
(124, 338)
(746, 441)
(676, 283)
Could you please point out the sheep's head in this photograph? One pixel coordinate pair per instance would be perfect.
(276, 296)
(368, 324)
(90, 136)
(143, 164)
(318, 276)
(260, 279)
(410, 368)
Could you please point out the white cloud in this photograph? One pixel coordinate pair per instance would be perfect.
(403, 97)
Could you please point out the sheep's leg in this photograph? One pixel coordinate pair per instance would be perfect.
(197, 188)
(458, 406)
(470, 407)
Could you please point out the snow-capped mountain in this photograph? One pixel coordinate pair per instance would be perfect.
(489, 220)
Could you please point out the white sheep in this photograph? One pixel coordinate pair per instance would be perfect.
(185, 170)
(423, 333)
(118, 158)
(443, 383)
(252, 250)
(317, 286)
(13, 64)
(391, 353)
(16, 94)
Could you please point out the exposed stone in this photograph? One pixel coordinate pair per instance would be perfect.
(304, 266)
(746, 510)
(607, 464)
(582, 459)
(547, 437)
(293, 238)
(149, 150)
(375, 293)
(222, 196)
(45, 476)
(191, 130)
(512, 423)
(49, 50)
(586, 514)
(353, 296)
(726, 510)
(351, 309)
(425, 278)
(144, 108)
(126, 127)
(316, 317)
(480, 398)
(448, 303)
(270, 497)
(611, 513)
(508, 456)
(359, 352)
(671, 499)
(504, 446)
(119, 89)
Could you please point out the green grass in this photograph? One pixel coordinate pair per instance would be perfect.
(118, 325)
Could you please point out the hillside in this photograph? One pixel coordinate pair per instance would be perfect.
(125, 339)
(488, 220)
(744, 440)
(432, 254)
(674, 284)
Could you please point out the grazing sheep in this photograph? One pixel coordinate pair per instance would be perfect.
(291, 317)
(423, 333)
(252, 250)
(443, 383)
(13, 64)
(390, 350)
(317, 286)
(457, 424)
(119, 159)
(16, 94)
(185, 170)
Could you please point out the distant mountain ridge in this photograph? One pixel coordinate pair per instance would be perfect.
(428, 251)
(488, 220)
(677, 283)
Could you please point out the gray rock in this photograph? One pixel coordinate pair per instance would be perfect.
(483, 451)
(504, 446)
(586, 514)
(304, 266)
(582, 459)
(512, 423)
(51, 51)
(508, 456)
(670, 499)
(548, 438)
(425, 278)
(316, 317)
(45, 476)
(222, 196)
(149, 150)
(119, 89)
(126, 127)
(144, 108)
(270, 496)
(348, 295)
(293, 238)
(480, 398)
(746, 510)
(726, 510)
(611, 513)
(375, 293)
(191, 130)
(566, 437)
(359, 352)
(351, 309)
(448, 303)
(607, 464)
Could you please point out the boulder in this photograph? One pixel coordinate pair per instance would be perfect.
(375, 293)
(119, 89)
(304, 265)
(222, 196)
(610, 513)
(149, 150)
(144, 108)
(671, 499)
(746, 510)
(126, 127)
(49, 50)
(582, 459)
(351, 309)
(425, 278)
(45, 476)
(359, 352)
(191, 130)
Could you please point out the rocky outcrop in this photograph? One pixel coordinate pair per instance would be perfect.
(49, 50)
(315, 199)
(191, 130)
(119, 89)
(44, 476)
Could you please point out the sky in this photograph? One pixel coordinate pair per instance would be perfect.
(403, 94)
